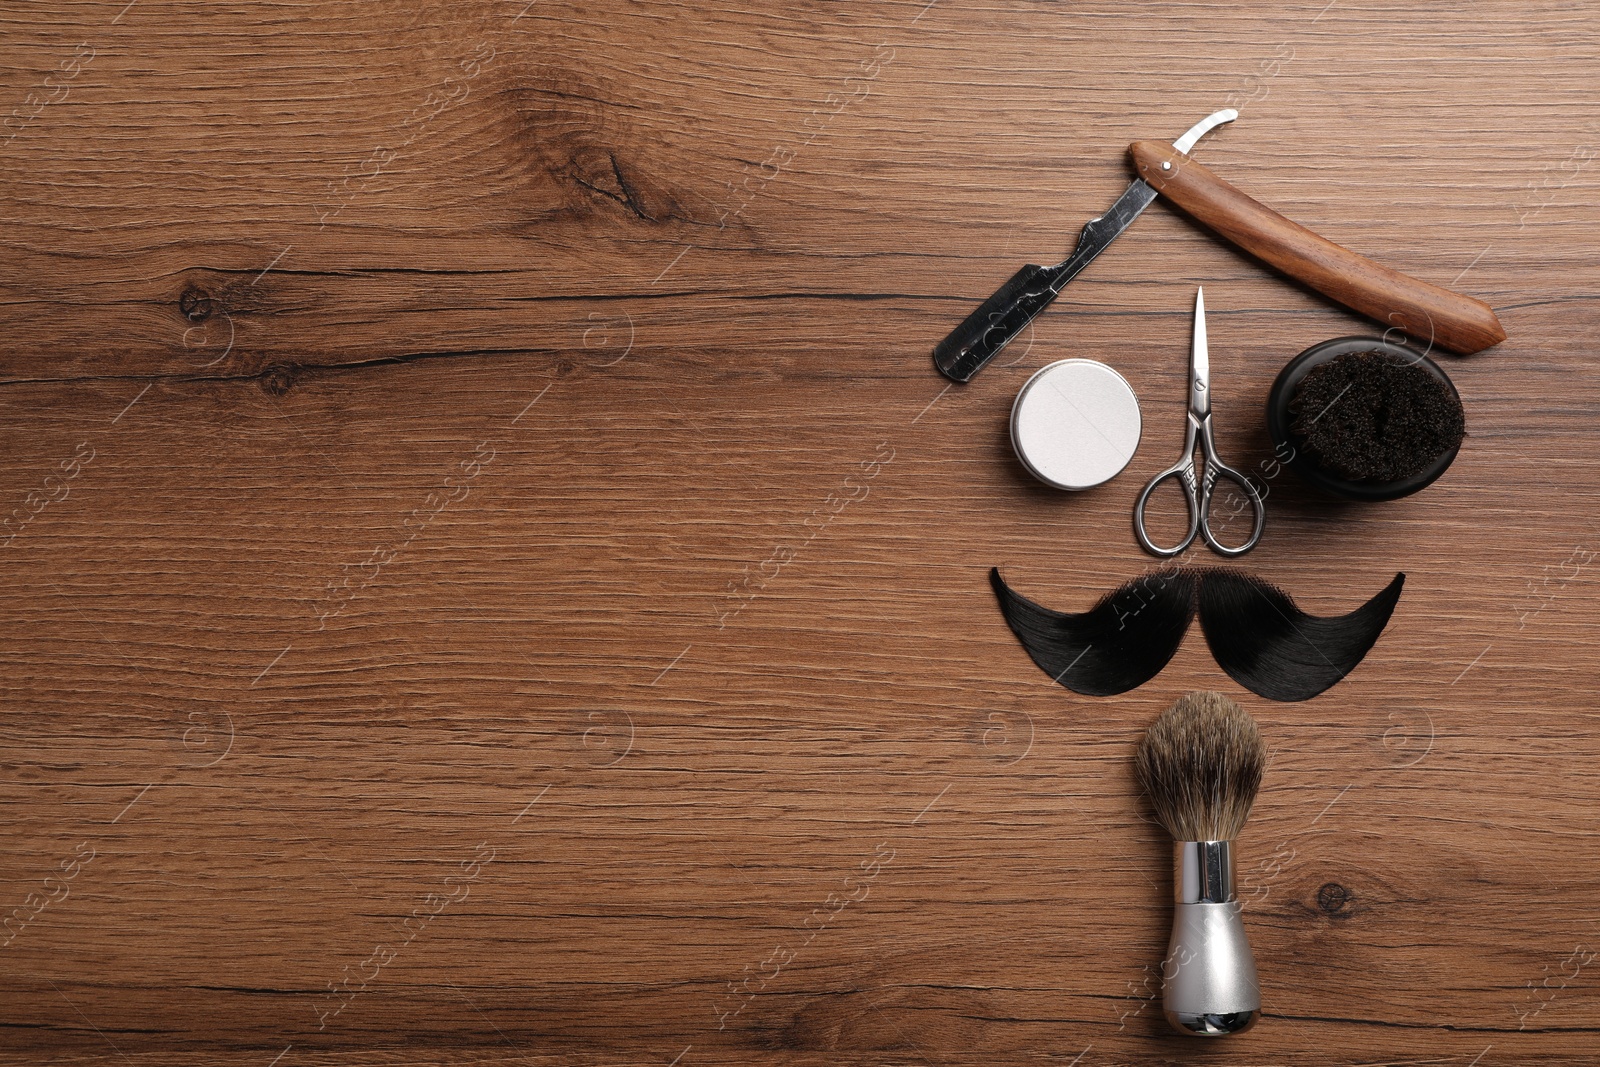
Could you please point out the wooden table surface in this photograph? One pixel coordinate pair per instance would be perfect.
(492, 575)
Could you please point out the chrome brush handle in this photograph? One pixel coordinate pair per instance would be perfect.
(1209, 986)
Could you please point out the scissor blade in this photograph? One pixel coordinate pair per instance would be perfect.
(1199, 361)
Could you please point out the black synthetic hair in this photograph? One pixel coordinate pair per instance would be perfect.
(1274, 649)
(1255, 631)
(1117, 645)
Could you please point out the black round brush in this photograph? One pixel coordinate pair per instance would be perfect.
(1201, 765)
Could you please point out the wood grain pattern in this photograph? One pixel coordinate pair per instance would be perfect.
(1433, 315)
(493, 577)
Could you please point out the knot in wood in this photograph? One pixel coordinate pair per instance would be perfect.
(195, 304)
(1332, 898)
(277, 379)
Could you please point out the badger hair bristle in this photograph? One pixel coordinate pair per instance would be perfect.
(1201, 764)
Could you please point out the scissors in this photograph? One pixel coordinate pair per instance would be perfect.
(1198, 494)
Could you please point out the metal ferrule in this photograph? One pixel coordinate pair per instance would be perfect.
(1202, 872)
(1209, 986)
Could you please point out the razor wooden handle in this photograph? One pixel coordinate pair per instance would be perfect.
(1426, 312)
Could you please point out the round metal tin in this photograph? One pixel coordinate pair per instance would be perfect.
(1075, 424)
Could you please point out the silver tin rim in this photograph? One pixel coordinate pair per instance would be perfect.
(1027, 387)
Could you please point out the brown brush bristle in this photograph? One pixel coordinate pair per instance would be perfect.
(1201, 764)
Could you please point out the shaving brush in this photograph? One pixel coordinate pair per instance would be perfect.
(1201, 765)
